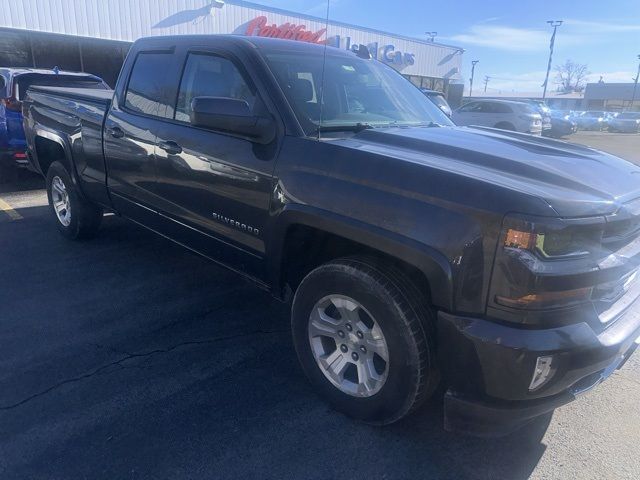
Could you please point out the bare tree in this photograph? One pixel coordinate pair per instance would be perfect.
(571, 76)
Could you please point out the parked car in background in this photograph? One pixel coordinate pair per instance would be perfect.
(439, 100)
(503, 114)
(591, 120)
(562, 124)
(625, 122)
(545, 112)
(14, 83)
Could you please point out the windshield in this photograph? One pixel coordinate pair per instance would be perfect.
(357, 92)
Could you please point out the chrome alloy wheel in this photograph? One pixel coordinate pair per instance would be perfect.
(60, 200)
(348, 346)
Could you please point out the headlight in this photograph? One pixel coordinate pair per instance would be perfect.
(535, 254)
(552, 243)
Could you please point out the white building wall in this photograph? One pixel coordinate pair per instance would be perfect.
(128, 20)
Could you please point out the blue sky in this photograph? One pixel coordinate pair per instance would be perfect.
(510, 38)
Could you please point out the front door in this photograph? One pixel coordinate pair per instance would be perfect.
(215, 187)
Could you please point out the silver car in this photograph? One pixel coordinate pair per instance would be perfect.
(626, 122)
(591, 120)
(503, 114)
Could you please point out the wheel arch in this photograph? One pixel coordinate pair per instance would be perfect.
(347, 236)
(50, 146)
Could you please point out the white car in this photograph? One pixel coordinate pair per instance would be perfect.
(504, 114)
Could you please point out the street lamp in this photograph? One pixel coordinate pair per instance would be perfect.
(635, 85)
(431, 35)
(555, 24)
(473, 71)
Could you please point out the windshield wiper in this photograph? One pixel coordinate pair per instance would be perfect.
(358, 127)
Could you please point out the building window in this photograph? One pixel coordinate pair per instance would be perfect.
(56, 51)
(15, 50)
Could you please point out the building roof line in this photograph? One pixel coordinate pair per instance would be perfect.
(258, 6)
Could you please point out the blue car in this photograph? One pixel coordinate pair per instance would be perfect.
(14, 83)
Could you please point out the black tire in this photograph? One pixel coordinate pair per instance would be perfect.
(405, 319)
(84, 216)
(505, 126)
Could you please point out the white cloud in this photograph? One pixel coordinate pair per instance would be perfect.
(510, 38)
(612, 77)
(601, 27)
(572, 32)
(514, 82)
(503, 38)
(320, 8)
(530, 82)
(490, 20)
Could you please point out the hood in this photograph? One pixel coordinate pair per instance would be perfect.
(574, 180)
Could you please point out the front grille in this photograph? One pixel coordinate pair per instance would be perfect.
(621, 241)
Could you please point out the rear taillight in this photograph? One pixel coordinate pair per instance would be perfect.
(11, 104)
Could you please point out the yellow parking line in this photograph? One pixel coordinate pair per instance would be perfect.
(6, 208)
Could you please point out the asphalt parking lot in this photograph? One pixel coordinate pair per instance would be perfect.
(127, 357)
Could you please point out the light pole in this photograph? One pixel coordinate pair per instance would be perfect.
(635, 85)
(432, 36)
(473, 71)
(555, 24)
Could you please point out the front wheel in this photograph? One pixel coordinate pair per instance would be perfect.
(75, 217)
(365, 339)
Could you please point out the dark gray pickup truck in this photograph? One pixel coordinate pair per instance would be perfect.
(416, 254)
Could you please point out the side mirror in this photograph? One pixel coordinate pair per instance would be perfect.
(233, 116)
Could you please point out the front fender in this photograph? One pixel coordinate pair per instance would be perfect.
(429, 261)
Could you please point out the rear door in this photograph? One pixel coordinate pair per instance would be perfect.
(136, 114)
(487, 114)
(215, 186)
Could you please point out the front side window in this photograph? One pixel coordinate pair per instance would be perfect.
(210, 76)
(150, 90)
(353, 91)
(471, 107)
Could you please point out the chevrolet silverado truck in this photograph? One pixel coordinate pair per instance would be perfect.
(496, 268)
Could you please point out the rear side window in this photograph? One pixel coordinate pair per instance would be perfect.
(501, 108)
(487, 107)
(150, 90)
(210, 76)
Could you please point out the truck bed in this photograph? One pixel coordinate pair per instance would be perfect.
(77, 114)
(95, 95)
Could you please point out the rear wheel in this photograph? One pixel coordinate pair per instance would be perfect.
(365, 340)
(75, 217)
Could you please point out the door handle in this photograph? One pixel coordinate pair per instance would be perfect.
(171, 147)
(116, 132)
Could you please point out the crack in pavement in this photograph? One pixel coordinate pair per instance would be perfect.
(131, 356)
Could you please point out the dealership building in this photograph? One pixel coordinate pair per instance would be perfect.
(94, 35)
